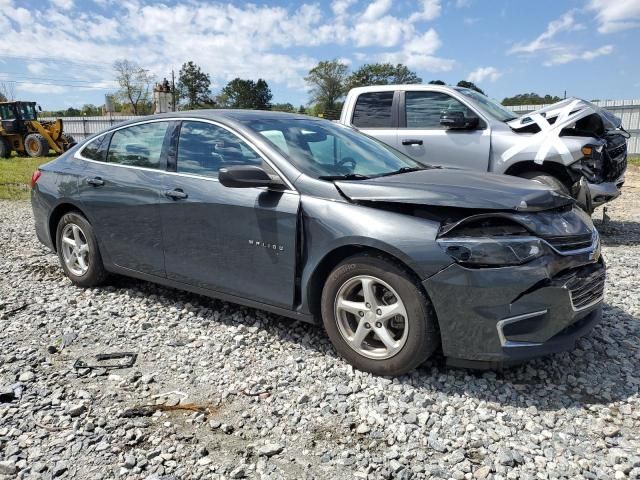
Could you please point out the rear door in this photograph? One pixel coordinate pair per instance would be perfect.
(376, 114)
(240, 241)
(421, 136)
(121, 189)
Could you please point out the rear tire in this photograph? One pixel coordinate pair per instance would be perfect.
(391, 329)
(5, 148)
(548, 180)
(35, 145)
(78, 251)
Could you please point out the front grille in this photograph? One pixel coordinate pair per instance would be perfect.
(616, 160)
(567, 243)
(586, 285)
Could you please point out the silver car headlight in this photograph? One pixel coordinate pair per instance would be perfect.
(492, 251)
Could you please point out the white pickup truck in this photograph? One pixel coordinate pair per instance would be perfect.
(573, 145)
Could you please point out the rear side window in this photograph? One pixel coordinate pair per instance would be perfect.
(97, 149)
(138, 146)
(424, 109)
(205, 148)
(373, 110)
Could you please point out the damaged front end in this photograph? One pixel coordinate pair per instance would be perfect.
(523, 284)
(586, 139)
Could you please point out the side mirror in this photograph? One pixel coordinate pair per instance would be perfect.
(39, 108)
(247, 177)
(457, 120)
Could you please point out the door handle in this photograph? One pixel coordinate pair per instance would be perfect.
(95, 182)
(176, 194)
(411, 141)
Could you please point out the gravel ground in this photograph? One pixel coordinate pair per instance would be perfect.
(272, 400)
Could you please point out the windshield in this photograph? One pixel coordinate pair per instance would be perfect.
(27, 111)
(327, 150)
(493, 108)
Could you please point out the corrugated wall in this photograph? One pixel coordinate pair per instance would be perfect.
(627, 110)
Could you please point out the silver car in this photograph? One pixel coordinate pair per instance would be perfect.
(574, 146)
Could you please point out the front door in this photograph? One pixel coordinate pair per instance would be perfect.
(240, 241)
(120, 191)
(423, 138)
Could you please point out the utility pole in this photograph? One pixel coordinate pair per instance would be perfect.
(173, 90)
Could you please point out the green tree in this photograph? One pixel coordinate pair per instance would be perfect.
(193, 86)
(327, 85)
(470, 85)
(381, 74)
(436, 82)
(302, 110)
(135, 83)
(91, 110)
(283, 107)
(239, 93)
(2, 97)
(530, 99)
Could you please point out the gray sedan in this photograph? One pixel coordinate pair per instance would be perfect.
(316, 221)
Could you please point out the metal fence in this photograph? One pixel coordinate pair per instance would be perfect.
(627, 110)
(83, 127)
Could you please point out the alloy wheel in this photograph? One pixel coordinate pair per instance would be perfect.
(75, 249)
(371, 317)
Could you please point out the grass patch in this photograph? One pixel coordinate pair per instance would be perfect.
(634, 160)
(15, 176)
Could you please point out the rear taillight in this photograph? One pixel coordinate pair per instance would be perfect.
(35, 177)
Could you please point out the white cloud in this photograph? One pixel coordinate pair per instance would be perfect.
(463, 3)
(64, 4)
(32, 87)
(37, 67)
(430, 10)
(565, 23)
(556, 52)
(617, 15)
(376, 10)
(470, 20)
(419, 53)
(563, 56)
(480, 73)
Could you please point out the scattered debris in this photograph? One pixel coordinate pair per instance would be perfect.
(148, 410)
(9, 313)
(129, 359)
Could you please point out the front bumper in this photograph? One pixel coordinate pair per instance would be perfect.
(602, 193)
(511, 314)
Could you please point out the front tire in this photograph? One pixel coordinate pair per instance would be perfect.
(35, 145)
(548, 180)
(377, 316)
(5, 148)
(78, 251)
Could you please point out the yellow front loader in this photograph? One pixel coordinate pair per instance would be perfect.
(22, 132)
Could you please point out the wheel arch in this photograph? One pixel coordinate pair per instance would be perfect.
(331, 259)
(56, 214)
(557, 170)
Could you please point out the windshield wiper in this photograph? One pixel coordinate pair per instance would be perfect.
(348, 176)
(402, 170)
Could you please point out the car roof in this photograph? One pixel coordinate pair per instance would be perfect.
(412, 86)
(232, 114)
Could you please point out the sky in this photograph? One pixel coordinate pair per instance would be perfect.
(60, 52)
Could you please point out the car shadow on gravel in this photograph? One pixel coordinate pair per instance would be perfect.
(614, 233)
(602, 369)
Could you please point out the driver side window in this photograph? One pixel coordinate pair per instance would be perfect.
(204, 148)
(423, 109)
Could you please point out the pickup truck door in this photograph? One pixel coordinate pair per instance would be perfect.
(421, 136)
(376, 114)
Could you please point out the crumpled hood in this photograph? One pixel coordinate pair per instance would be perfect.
(566, 112)
(455, 188)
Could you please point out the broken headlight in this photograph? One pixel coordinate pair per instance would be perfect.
(492, 251)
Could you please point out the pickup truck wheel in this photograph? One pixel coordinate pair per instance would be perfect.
(548, 180)
(376, 316)
(78, 251)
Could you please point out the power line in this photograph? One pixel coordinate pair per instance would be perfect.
(57, 60)
(28, 77)
(94, 87)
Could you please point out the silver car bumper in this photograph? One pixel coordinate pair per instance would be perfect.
(602, 193)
